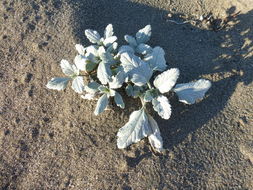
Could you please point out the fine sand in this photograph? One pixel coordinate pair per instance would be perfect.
(51, 140)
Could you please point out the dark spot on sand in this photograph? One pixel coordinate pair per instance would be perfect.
(46, 119)
(28, 77)
(7, 132)
(35, 132)
(23, 146)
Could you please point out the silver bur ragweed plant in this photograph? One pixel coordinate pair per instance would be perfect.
(133, 67)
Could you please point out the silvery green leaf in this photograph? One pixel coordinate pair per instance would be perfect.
(101, 50)
(101, 104)
(80, 49)
(109, 41)
(92, 87)
(90, 66)
(108, 31)
(156, 59)
(133, 91)
(92, 49)
(141, 75)
(126, 48)
(111, 93)
(130, 40)
(162, 106)
(117, 81)
(189, 93)
(143, 35)
(117, 69)
(150, 95)
(105, 56)
(134, 130)
(92, 53)
(78, 84)
(166, 80)
(80, 62)
(143, 49)
(103, 89)
(115, 45)
(129, 90)
(119, 101)
(92, 58)
(88, 96)
(155, 138)
(129, 61)
(68, 69)
(92, 35)
(58, 83)
(112, 47)
(104, 72)
(139, 72)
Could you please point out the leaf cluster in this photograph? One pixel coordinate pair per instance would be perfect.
(138, 68)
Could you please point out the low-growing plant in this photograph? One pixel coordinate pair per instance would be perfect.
(139, 69)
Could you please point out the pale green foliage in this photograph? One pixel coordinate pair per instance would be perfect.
(109, 68)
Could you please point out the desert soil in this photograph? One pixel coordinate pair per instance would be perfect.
(52, 140)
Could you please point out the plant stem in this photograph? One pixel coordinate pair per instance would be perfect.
(142, 102)
(149, 85)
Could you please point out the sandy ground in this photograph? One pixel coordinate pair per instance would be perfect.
(51, 140)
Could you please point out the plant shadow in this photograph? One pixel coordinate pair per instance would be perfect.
(224, 56)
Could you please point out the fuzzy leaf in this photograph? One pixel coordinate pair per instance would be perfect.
(101, 104)
(105, 56)
(150, 95)
(109, 41)
(111, 93)
(90, 66)
(106, 90)
(108, 31)
(104, 72)
(58, 83)
(92, 49)
(143, 35)
(118, 80)
(134, 130)
(126, 48)
(92, 87)
(143, 49)
(141, 74)
(78, 84)
(80, 62)
(166, 80)
(68, 69)
(112, 47)
(129, 90)
(80, 49)
(156, 59)
(92, 35)
(130, 40)
(101, 51)
(92, 54)
(138, 70)
(129, 61)
(133, 91)
(119, 101)
(162, 106)
(189, 93)
(155, 138)
(103, 89)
